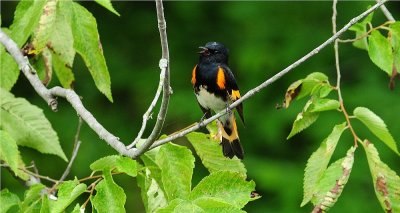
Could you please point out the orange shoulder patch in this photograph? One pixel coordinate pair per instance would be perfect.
(235, 95)
(221, 78)
(194, 75)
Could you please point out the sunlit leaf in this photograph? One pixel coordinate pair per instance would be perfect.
(45, 27)
(45, 208)
(63, 72)
(226, 187)
(210, 153)
(303, 120)
(361, 30)
(152, 195)
(107, 4)
(380, 51)
(320, 105)
(376, 125)
(68, 191)
(9, 154)
(385, 180)
(332, 182)
(32, 198)
(213, 205)
(109, 196)
(27, 124)
(318, 162)
(126, 165)
(171, 206)
(7, 200)
(84, 26)
(121, 163)
(175, 159)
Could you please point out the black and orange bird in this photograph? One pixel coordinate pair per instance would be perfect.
(215, 88)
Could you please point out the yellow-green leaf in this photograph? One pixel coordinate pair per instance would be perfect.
(9, 153)
(107, 4)
(45, 27)
(380, 51)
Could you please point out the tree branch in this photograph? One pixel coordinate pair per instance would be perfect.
(49, 94)
(386, 12)
(164, 66)
(272, 79)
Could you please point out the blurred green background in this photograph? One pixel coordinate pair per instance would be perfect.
(263, 38)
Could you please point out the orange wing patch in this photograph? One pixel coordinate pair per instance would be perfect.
(235, 95)
(194, 75)
(221, 78)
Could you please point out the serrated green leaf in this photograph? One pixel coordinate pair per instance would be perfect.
(45, 27)
(45, 207)
(127, 166)
(7, 200)
(68, 191)
(9, 153)
(303, 120)
(152, 195)
(107, 162)
(107, 4)
(187, 206)
(213, 205)
(63, 72)
(361, 29)
(395, 42)
(26, 18)
(84, 26)
(333, 181)
(318, 162)
(385, 181)
(380, 51)
(320, 105)
(109, 196)
(225, 186)
(175, 159)
(211, 155)
(27, 124)
(376, 125)
(32, 198)
(171, 206)
(311, 82)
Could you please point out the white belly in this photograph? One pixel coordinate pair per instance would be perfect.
(209, 100)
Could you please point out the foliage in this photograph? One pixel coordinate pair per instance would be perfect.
(52, 32)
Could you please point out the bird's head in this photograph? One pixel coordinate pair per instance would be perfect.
(214, 52)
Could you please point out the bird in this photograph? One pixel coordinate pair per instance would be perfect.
(215, 88)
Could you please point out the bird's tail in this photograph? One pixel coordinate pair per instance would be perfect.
(229, 137)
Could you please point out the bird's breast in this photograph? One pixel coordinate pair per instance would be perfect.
(209, 100)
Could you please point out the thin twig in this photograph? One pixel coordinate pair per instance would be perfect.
(336, 49)
(382, 26)
(147, 114)
(77, 144)
(270, 80)
(164, 65)
(49, 94)
(39, 176)
(386, 12)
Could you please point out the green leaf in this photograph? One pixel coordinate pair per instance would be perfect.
(7, 200)
(303, 120)
(45, 208)
(152, 195)
(385, 181)
(171, 206)
(32, 198)
(395, 41)
(361, 29)
(211, 155)
(9, 153)
(68, 191)
(332, 183)
(178, 205)
(45, 27)
(84, 26)
(109, 196)
(63, 72)
(213, 205)
(376, 125)
(318, 162)
(26, 18)
(77, 209)
(121, 163)
(149, 160)
(226, 187)
(320, 105)
(380, 51)
(107, 4)
(27, 124)
(172, 160)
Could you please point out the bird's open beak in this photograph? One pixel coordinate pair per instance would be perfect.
(202, 50)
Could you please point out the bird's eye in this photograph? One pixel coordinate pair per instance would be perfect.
(216, 51)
